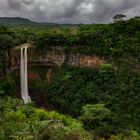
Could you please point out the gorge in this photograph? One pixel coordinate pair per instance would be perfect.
(87, 72)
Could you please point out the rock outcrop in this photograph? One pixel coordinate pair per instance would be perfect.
(56, 56)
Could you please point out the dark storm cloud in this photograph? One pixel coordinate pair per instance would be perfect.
(73, 11)
(14, 4)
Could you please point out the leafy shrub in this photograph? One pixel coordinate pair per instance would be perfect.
(19, 121)
(97, 118)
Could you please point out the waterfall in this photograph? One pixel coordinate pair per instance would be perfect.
(23, 75)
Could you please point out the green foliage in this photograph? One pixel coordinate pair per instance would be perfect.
(8, 86)
(97, 118)
(112, 41)
(94, 113)
(109, 96)
(106, 72)
(6, 42)
(116, 88)
(133, 136)
(19, 121)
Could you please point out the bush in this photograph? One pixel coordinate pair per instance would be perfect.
(97, 118)
(19, 121)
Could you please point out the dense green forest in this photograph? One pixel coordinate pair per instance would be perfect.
(96, 103)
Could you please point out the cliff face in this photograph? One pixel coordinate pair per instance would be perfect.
(83, 60)
(56, 56)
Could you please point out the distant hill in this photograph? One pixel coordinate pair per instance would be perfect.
(17, 21)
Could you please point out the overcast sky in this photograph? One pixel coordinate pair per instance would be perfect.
(69, 11)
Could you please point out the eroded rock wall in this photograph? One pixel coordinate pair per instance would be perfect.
(56, 56)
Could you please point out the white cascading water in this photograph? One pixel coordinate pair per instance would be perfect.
(23, 74)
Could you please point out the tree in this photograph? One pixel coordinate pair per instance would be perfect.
(4, 30)
(6, 43)
(119, 17)
(96, 118)
(137, 18)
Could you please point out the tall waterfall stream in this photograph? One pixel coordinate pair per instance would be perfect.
(23, 74)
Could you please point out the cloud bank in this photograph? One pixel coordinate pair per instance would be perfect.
(69, 11)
